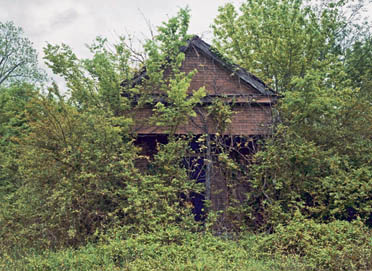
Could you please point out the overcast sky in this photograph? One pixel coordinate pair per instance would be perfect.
(78, 22)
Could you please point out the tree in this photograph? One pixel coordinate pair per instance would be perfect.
(76, 165)
(164, 75)
(358, 64)
(18, 75)
(318, 160)
(78, 160)
(13, 126)
(18, 59)
(281, 40)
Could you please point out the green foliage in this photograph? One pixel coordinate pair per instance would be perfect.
(74, 156)
(165, 78)
(319, 159)
(339, 245)
(79, 167)
(18, 60)
(13, 102)
(161, 199)
(94, 82)
(13, 127)
(167, 249)
(74, 168)
(221, 113)
(68, 175)
(164, 49)
(281, 40)
(77, 163)
(179, 104)
(358, 64)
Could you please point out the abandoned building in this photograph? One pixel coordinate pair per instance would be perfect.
(251, 103)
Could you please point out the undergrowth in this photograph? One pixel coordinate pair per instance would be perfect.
(301, 245)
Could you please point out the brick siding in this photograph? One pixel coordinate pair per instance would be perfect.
(248, 118)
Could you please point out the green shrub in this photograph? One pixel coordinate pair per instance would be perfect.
(169, 249)
(74, 168)
(339, 245)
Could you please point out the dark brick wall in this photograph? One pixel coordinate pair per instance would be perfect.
(248, 119)
(216, 79)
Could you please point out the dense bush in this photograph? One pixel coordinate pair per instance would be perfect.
(79, 178)
(169, 249)
(13, 126)
(302, 245)
(319, 159)
(74, 169)
(339, 245)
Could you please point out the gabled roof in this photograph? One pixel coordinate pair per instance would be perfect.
(206, 49)
(241, 73)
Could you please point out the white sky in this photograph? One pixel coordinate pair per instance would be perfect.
(78, 22)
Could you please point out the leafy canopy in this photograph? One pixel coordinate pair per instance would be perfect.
(281, 40)
(18, 59)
